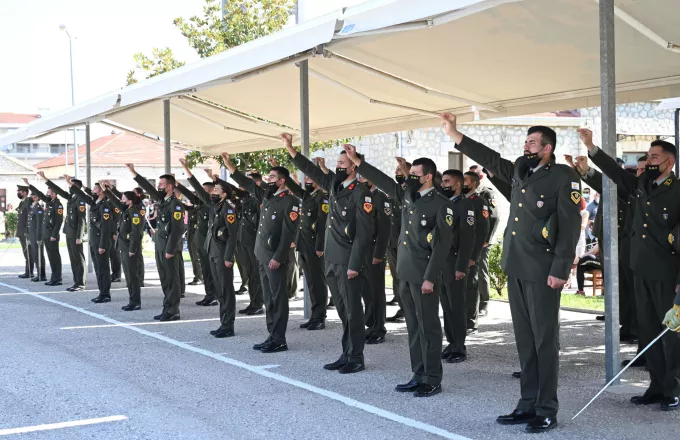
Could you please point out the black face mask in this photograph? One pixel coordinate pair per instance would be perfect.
(448, 191)
(20, 196)
(271, 188)
(400, 179)
(161, 190)
(413, 183)
(532, 160)
(214, 197)
(72, 190)
(341, 174)
(309, 187)
(366, 184)
(465, 189)
(652, 172)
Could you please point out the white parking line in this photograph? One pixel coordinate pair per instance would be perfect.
(61, 425)
(260, 371)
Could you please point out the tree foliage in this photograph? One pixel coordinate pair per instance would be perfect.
(160, 61)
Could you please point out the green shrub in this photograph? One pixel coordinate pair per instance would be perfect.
(11, 223)
(497, 277)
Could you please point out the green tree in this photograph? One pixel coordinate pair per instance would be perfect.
(160, 61)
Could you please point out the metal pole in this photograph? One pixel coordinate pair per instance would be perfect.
(677, 138)
(166, 133)
(88, 182)
(304, 143)
(609, 194)
(73, 102)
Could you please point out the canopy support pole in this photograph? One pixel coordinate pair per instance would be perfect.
(88, 181)
(609, 193)
(677, 139)
(304, 143)
(166, 134)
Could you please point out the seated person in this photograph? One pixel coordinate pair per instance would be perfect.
(587, 263)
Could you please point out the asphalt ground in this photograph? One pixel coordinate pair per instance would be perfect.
(72, 369)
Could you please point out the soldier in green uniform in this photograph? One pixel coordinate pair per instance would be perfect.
(347, 250)
(193, 212)
(100, 233)
(198, 232)
(537, 270)
(453, 295)
(168, 240)
(37, 246)
(395, 221)
(276, 232)
(74, 227)
(310, 243)
(375, 301)
(426, 232)
(22, 229)
(482, 227)
(247, 233)
(653, 259)
(52, 220)
(116, 265)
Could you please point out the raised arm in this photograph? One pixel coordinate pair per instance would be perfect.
(476, 151)
(294, 188)
(54, 187)
(384, 182)
(115, 191)
(79, 193)
(503, 187)
(154, 194)
(607, 164)
(383, 227)
(201, 196)
(37, 192)
(113, 198)
(324, 180)
(240, 178)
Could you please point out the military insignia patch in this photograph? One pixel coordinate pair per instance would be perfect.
(368, 207)
(106, 216)
(81, 208)
(325, 208)
(231, 218)
(485, 213)
(388, 208)
(575, 185)
(117, 210)
(576, 197)
(429, 237)
(671, 238)
(449, 211)
(539, 204)
(423, 222)
(177, 215)
(293, 215)
(142, 212)
(295, 208)
(665, 216)
(219, 233)
(544, 232)
(668, 182)
(471, 220)
(135, 220)
(60, 211)
(449, 220)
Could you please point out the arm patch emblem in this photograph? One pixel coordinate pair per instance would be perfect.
(576, 197)
(81, 208)
(293, 215)
(135, 220)
(231, 218)
(368, 207)
(177, 215)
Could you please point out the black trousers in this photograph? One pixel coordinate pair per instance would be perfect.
(627, 308)
(483, 280)
(424, 331)
(54, 257)
(392, 263)
(535, 310)
(131, 270)
(347, 296)
(140, 268)
(102, 269)
(251, 267)
(197, 263)
(653, 298)
(182, 278)
(275, 292)
(224, 292)
(374, 301)
(472, 297)
(241, 255)
(169, 274)
(38, 256)
(313, 268)
(586, 264)
(208, 279)
(76, 255)
(116, 265)
(27, 255)
(292, 275)
(455, 314)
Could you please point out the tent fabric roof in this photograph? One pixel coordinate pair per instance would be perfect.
(371, 75)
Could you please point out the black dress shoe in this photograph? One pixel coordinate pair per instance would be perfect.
(26, 275)
(169, 317)
(224, 333)
(241, 290)
(517, 374)
(101, 299)
(540, 424)
(483, 313)
(245, 311)
(516, 417)
(670, 404)
(131, 307)
(201, 302)
(262, 344)
(195, 283)
(274, 347)
(158, 317)
(647, 399)
(398, 317)
(116, 280)
(336, 365)
(56, 283)
(316, 325)
(427, 390)
(252, 312)
(305, 324)
(639, 362)
(182, 295)
(472, 331)
(77, 288)
(351, 367)
(70, 289)
(409, 387)
(49, 283)
(600, 317)
(37, 280)
(375, 339)
(455, 358)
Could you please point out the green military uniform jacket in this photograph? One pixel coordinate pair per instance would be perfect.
(383, 226)
(74, 223)
(199, 214)
(426, 229)
(131, 229)
(482, 225)
(53, 215)
(489, 195)
(101, 226)
(657, 212)
(551, 191)
(464, 236)
(594, 180)
(314, 210)
(23, 210)
(349, 234)
(170, 226)
(35, 220)
(502, 186)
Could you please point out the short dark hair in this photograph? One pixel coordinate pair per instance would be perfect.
(456, 175)
(209, 183)
(131, 195)
(548, 135)
(429, 167)
(474, 176)
(170, 179)
(586, 189)
(473, 167)
(226, 188)
(666, 146)
(256, 176)
(77, 182)
(281, 171)
(438, 178)
(643, 158)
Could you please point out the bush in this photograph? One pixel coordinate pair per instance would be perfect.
(497, 277)
(11, 223)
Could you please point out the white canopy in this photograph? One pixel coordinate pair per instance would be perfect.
(389, 65)
(669, 104)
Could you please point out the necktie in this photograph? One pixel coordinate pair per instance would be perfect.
(530, 173)
(655, 185)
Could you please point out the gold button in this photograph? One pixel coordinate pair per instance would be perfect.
(547, 250)
(520, 205)
(644, 236)
(646, 215)
(523, 190)
(516, 219)
(514, 233)
(645, 225)
(406, 232)
(542, 196)
(648, 203)
(410, 212)
(404, 243)
(329, 226)
(410, 222)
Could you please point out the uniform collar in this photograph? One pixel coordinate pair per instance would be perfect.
(347, 183)
(424, 192)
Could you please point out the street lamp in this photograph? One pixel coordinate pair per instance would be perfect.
(62, 27)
